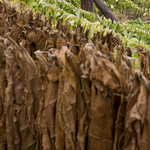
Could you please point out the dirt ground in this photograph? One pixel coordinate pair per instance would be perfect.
(125, 17)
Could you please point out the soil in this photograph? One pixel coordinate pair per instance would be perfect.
(125, 17)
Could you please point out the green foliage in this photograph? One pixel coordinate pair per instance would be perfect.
(139, 24)
(63, 10)
(76, 3)
(75, 19)
(140, 8)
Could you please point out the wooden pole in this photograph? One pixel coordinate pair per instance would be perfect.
(105, 10)
(86, 5)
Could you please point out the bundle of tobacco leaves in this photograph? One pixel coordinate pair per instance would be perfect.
(61, 91)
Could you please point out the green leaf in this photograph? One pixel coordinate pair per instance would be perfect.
(78, 12)
(32, 4)
(125, 32)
